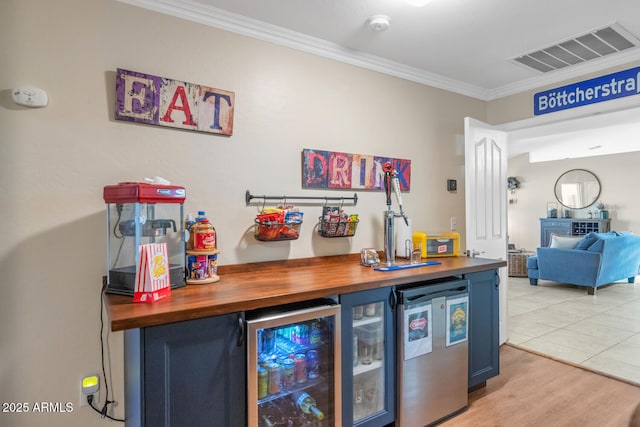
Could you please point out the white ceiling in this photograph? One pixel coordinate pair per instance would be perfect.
(464, 46)
(460, 45)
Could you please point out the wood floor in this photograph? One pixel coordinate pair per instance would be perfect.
(532, 390)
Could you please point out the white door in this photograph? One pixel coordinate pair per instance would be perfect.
(486, 199)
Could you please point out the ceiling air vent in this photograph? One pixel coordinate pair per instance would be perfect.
(583, 48)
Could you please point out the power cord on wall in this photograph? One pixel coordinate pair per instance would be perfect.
(107, 402)
(103, 411)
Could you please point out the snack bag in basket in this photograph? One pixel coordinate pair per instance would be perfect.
(152, 274)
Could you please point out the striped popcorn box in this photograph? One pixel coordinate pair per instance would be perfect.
(152, 274)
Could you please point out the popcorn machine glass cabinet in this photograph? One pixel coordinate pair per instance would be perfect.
(130, 225)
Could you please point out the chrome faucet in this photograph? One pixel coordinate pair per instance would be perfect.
(391, 180)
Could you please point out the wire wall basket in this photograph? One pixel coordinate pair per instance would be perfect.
(337, 229)
(277, 231)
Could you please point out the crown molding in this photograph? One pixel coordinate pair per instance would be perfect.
(242, 25)
(227, 21)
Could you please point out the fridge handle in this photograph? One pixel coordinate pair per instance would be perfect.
(419, 298)
(428, 296)
(393, 300)
(241, 326)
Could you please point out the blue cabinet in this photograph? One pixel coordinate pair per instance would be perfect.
(368, 358)
(570, 227)
(190, 373)
(484, 332)
(194, 373)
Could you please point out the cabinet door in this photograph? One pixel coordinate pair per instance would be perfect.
(194, 373)
(368, 358)
(484, 334)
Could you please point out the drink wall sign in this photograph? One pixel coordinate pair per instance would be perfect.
(330, 169)
(599, 89)
(145, 98)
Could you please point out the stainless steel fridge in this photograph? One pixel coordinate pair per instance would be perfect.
(294, 366)
(433, 325)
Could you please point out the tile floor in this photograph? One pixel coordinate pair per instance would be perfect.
(601, 332)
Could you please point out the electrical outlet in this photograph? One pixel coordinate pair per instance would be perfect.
(89, 386)
(454, 223)
(83, 398)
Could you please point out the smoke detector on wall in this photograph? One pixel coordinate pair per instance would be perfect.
(378, 23)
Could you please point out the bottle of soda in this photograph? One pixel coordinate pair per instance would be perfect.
(201, 216)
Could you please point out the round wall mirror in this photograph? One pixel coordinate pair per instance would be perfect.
(577, 189)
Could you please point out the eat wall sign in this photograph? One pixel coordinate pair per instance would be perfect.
(145, 98)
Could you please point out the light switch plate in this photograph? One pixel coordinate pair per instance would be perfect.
(30, 96)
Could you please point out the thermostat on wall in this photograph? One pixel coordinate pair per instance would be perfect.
(30, 96)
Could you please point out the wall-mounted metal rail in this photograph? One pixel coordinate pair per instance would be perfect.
(248, 197)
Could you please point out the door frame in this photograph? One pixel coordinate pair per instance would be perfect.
(609, 107)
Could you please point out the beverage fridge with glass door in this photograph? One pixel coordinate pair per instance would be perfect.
(294, 366)
(368, 358)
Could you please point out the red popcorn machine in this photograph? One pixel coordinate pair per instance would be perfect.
(138, 214)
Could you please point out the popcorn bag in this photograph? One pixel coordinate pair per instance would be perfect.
(152, 275)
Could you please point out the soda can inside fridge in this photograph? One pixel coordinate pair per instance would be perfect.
(294, 366)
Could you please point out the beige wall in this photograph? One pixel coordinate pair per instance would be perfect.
(55, 161)
(617, 174)
(520, 106)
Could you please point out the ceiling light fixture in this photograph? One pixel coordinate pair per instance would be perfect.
(418, 3)
(378, 23)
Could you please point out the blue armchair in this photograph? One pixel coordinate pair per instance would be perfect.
(597, 259)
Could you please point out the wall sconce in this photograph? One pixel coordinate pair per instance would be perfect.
(513, 184)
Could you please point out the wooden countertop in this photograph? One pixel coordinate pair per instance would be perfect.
(267, 284)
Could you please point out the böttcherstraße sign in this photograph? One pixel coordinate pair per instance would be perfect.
(599, 89)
